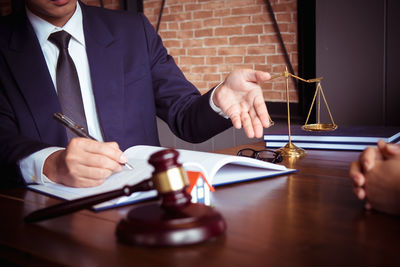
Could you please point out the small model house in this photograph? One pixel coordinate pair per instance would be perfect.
(199, 187)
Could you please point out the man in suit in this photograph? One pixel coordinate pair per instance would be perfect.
(126, 79)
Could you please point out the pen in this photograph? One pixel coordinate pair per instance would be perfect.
(78, 130)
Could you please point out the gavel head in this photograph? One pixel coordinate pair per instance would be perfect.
(170, 179)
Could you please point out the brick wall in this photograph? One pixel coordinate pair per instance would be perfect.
(210, 38)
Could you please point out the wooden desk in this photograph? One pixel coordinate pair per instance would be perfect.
(310, 218)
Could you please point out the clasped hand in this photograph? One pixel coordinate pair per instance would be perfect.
(376, 177)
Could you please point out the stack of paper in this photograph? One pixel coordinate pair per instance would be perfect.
(343, 138)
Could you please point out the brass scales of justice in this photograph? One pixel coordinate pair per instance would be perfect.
(290, 150)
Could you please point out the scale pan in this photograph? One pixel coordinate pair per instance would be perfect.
(319, 127)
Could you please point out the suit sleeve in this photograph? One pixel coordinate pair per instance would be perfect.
(13, 145)
(178, 102)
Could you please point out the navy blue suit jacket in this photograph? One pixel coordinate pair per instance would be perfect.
(134, 80)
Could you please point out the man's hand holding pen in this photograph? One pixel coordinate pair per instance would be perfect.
(84, 163)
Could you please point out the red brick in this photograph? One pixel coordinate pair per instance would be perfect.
(214, 60)
(177, 17)
(215, 5)
(254, 59)
(268, 39)
(168, 34)
(192, 43)
(191, 7)
(263, 67)
(225, 68)
(246, 10)
(200, 85)
(172, 43)
(177, 51)
(194, 76)
(233, 59)
(284, 17)
(236, 20)
(212, 77)
(230, 51)
(264, 49)
(243, 40)
(212, 22)
(272, 95)
(266, 86)
(225, 31)
(172, 26)
(220, 13)
(176, 9)
(191, 60)
(185, 34)
(202, 51)
(233, 4)
(204, 69)
(202, 14)
(253, 29)
(203, 32)
(262, 18)
(281, 7)
(191, 25)
(216, 41)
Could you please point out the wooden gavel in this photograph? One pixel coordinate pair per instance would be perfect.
(173, 222)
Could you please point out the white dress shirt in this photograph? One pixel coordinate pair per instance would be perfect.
(32, 166)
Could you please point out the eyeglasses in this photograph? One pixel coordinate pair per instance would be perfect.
(265, 154)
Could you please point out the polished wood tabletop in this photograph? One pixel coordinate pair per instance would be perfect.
(309, 218)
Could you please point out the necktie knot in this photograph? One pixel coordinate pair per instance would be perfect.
(60, 39)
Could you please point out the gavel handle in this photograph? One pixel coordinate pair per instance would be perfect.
(86, 202)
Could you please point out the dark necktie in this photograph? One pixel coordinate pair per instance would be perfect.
(68, 89)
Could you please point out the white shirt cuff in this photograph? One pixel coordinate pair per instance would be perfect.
(213, 106)
(32, 166)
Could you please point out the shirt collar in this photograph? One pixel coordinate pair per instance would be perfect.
(43, 29)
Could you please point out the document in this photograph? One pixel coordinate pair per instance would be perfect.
(218, 169)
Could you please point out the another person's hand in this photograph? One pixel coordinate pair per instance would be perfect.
(382, 186)
(84, 163)
(240, 98)
(366, 163)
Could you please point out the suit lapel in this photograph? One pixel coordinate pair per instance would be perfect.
(106, 69)
(30, 71)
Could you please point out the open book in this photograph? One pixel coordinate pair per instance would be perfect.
(218, 169)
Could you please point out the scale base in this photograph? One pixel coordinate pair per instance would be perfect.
(291, 151)
(152, 225)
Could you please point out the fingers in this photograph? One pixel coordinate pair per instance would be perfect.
(359, 192)
(356, 174)
(249, 121)
(368, 157)
(262, 112)
(358, 179)
(86, 163)
(256, 75)
(388, 150)
(107, 151)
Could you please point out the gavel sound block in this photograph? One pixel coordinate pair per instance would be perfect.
(174, 221)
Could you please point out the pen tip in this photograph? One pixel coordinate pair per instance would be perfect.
(129, 166)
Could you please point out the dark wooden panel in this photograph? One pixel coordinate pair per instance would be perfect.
(350, 57)
(392, 63)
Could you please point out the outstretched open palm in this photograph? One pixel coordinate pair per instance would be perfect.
(240, 98)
